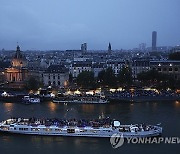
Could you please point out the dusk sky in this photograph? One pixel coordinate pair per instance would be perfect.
(65, 24)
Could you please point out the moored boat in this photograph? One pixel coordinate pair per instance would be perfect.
(81, 100)
(30, 100)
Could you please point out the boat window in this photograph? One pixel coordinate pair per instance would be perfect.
(35, 129)
(71, 130)
(47, 129)
(4, 128)
(83, 130)
(58, 130)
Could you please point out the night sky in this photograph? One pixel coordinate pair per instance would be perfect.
(65, 24)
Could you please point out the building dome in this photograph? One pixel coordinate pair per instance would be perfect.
(19, 59)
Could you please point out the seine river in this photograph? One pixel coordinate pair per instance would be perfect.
(167, 113)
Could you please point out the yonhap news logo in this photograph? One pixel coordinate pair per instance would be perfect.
(117, 140)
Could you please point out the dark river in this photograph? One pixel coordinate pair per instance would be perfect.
(167, 113)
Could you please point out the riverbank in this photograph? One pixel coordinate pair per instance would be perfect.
(144, 99)
(18, 99)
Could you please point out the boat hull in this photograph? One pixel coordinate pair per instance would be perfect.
(103, 135)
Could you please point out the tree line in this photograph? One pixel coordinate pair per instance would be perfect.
(107, 78)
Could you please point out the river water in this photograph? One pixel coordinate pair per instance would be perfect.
(167, 113)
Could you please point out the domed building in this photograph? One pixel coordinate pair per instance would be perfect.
(18, 71)
(19, 59)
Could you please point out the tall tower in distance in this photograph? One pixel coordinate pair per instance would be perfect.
(84, 47)
(154, 41)
(109, 48)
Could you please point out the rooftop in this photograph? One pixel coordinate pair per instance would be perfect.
(56, 69)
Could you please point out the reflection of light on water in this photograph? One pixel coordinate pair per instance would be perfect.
(131, 107)
(93, 142)
(177, 104)
(52, 106)
(36, 138)
(8, 106)
(47, 139)
(88, 107)
(80, 141)
(71, 113)
(6, 138)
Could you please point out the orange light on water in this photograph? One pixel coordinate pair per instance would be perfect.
(177, 104)
(88, 108)
(52, 106)
(8, 106)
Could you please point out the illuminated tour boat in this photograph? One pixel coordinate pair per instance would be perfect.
(81, 100)
(73, 127)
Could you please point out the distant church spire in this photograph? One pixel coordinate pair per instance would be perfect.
(18, 48)
(109, 48)
(18, 52)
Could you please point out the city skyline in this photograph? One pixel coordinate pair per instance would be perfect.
(65, 25)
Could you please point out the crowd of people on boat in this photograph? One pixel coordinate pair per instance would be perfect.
(143, 93)
(106, 122)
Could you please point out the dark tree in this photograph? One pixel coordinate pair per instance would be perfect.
(101, 76)
(110, 78)
(86, 79)
(152, 76)
(107, 78)
(125, 76)
(161, 81)
(32, 84)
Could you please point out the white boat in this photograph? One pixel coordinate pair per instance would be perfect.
(30, 100)
(84, 128)
(81, 100)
